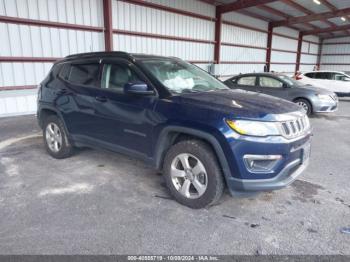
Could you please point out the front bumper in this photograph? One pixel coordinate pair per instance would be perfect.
(320, 106)
(294, 160)
(286, 176)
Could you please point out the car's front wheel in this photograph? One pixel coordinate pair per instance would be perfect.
(192, 174)
(304, 105)
(55, 138)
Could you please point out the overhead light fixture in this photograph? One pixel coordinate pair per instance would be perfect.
(317, 2)
(343, 18)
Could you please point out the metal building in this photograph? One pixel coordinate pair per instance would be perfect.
(225, 37)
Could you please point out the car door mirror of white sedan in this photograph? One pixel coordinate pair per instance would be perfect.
(346, 79)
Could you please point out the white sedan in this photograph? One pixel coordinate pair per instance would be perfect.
(337, 82)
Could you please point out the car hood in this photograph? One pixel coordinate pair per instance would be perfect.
(241, 104)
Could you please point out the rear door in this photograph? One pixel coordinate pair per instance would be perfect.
(322, 79)
(272, 86)
(308, 78)
(76, 99)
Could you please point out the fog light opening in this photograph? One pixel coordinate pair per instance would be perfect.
(261, 163)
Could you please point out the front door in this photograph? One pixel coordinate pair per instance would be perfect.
(124, 121)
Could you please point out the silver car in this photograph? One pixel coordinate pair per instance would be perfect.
(310, 98)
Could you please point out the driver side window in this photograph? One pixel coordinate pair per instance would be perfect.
(115, 76)
(339, 77)
(269, 82)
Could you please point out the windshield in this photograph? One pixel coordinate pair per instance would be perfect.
(290, 81)
(181, 77)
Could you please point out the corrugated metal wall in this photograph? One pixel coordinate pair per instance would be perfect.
(42, 42)
(336, 54)
(182, 28)
(243, 47)
(284, 47)
(309, 49)
(153, 26)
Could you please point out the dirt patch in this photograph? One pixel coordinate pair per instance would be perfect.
(267, 196)
(305, 191)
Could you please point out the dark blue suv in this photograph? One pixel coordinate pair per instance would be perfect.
(178, 119)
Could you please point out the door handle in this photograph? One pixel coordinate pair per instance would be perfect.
(64, 91)
(101, 99)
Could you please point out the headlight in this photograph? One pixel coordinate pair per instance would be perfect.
(254, 128)
(324, 97)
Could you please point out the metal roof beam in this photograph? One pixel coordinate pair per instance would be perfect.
(241, 4)
(305, 11)
(313, 17)
(333, 8)
(326, 30)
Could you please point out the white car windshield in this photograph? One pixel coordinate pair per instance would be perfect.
(181, 77)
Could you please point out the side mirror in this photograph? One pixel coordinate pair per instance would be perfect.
(346, 79)
(137, 88)
(285, 85)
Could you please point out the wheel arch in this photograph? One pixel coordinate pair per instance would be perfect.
(171, 134)
(45, 111)
(304, 98)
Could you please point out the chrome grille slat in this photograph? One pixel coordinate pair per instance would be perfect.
(294, 128)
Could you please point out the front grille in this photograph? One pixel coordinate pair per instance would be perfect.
(294, 128)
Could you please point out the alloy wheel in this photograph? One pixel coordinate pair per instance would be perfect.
(53, 136)
(303, 105)
(189, 176)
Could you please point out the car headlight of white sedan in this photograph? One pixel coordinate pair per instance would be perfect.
(325, 98)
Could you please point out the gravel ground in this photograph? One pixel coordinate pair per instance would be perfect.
(98, 202)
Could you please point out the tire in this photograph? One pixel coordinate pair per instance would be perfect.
(203, 173)
(305, 105)
(54, 133)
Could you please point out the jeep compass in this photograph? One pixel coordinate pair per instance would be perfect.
(178, 119)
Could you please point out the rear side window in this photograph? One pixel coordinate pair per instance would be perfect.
(247, 81)
(311, 75)
(84, 74)
(323, 75)
(64, 73)
(81, 74)
(269, 82)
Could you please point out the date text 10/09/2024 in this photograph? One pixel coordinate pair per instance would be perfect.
(172, 258)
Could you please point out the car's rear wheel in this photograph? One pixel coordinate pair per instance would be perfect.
(304, 105)
(192, 174)
(55, 138)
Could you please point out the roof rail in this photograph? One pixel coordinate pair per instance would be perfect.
(91, 54)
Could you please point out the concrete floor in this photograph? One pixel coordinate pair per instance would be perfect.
(98, 202)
